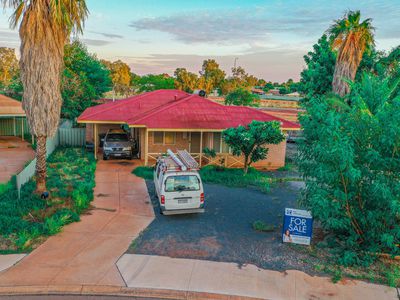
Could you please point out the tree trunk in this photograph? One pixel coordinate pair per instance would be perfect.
(346, 67)
(246, 165)
(41, 164)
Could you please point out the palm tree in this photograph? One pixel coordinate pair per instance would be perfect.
(351, 39)
(44, 28)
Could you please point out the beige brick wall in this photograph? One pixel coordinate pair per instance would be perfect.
(181, 143)
(275, 158)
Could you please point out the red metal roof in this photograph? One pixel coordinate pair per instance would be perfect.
(173, 109)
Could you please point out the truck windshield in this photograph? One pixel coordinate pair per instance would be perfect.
(116, 137)
(182, 183)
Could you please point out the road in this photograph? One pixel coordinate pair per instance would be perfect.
(72, 297)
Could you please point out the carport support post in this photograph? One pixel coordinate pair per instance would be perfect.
(146, 146)
(22, 128)
(95, 139)
(201, 148)
(15, 131)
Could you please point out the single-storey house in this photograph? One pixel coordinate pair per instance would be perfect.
(173, 119)
(12, 118)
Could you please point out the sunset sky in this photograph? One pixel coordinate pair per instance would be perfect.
(268, 37)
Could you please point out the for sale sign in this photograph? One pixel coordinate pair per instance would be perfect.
(297, 226)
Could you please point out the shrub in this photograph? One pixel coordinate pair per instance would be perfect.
(351, 165)
(144, 172)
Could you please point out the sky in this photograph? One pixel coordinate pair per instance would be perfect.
(269, 38)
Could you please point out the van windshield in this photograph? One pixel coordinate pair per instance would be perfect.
(182, 183)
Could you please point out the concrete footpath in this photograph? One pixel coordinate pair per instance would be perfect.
(158, 272)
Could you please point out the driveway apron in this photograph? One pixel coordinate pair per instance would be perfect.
(86, 252)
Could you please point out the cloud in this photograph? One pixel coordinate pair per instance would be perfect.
(93, 42)
(108, 35)
(9, 38)
(229, 26)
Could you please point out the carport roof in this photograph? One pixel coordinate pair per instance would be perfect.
(173, 109)
(10, 107)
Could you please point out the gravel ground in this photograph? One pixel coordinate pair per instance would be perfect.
(224, 232)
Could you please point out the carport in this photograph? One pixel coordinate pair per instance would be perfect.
(12, 118)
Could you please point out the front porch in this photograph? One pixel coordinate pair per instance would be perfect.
(154, 142)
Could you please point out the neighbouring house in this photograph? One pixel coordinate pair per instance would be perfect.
(288, 114)
(173, 119)
(12, 118)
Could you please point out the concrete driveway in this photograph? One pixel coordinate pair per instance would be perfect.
(14, 154)
(86, 252)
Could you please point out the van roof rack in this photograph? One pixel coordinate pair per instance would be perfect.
(187, 159)
(183, 160)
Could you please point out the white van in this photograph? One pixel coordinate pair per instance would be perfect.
(178, 184)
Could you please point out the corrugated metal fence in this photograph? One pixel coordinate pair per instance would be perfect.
(73, 137)
(27, 173)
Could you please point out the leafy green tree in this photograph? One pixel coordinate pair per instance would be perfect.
(121, 76)
(252, 141)
(316, 78)
(153, 82)
(84, 79)
(9, 68)
(211, 76)
(185, 81)
(242, 97)
(350, 161)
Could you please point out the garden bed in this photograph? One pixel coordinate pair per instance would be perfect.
(27, 222)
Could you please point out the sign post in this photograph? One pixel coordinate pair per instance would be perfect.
(297, 226)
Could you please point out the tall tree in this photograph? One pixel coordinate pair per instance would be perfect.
(84, 79)
(185, 81)
(44, 28)
(211, 76)
(8, 66)
(316, 78)
(351, 38)
(121, 76)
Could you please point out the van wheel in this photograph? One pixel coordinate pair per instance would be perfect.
(105, 157)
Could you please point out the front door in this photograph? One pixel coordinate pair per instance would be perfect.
(195, 142)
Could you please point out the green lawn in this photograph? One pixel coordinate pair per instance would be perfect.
(223, 176)
(26, 222)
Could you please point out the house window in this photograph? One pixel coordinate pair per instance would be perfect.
(158, 137)
(217, 142)
(169, 138)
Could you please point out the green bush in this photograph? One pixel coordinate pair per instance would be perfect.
(144, 172)
(350, 161)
